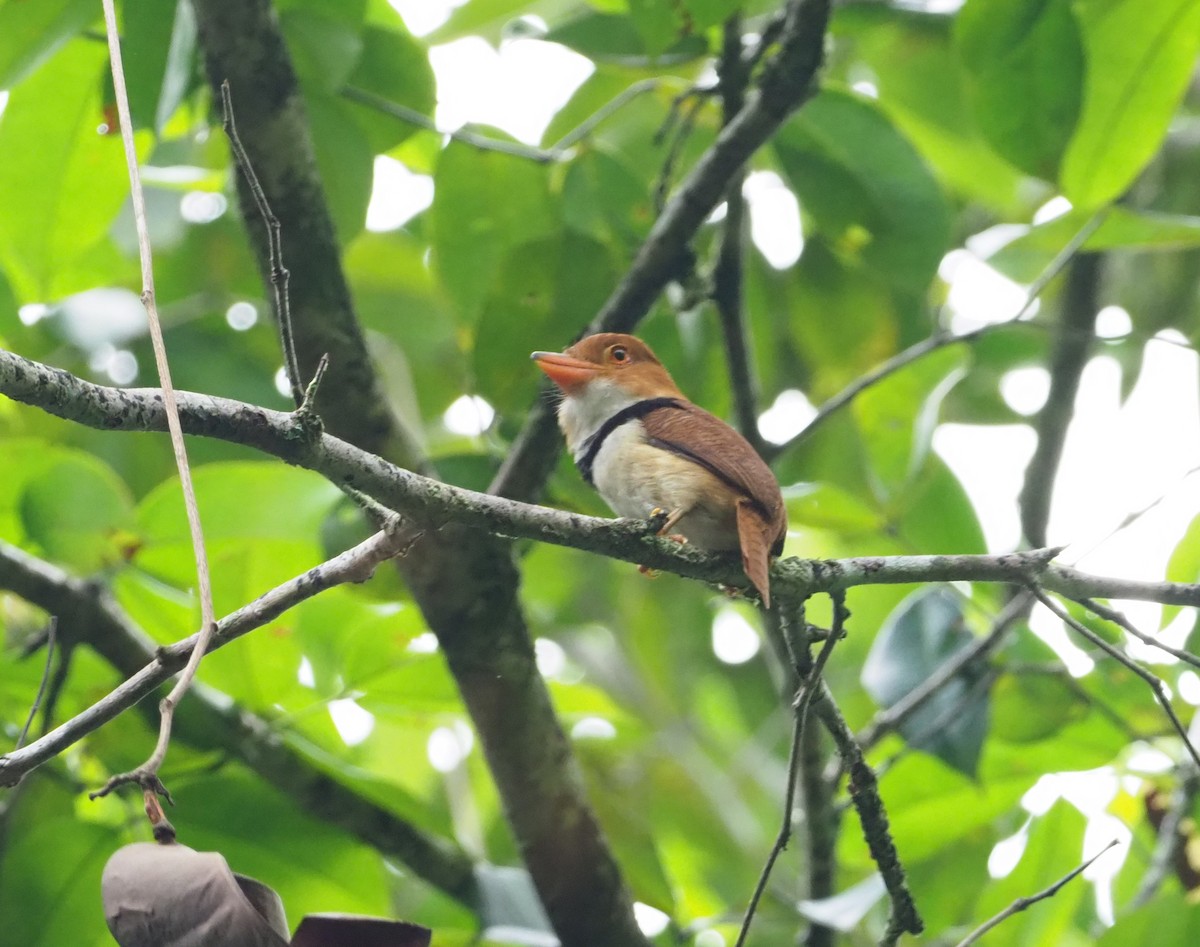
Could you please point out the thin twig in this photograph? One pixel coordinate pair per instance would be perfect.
(561, 150)
(1112, 615)
(802, 703)
(51, 633)
(354, 565)
(728, 273)
(942, 338)
(1022, 904)
(279, 273)
(147, 774)
(1151, 680)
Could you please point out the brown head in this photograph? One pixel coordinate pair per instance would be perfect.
(624, 360)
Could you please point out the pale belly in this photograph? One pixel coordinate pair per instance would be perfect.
(635, 478)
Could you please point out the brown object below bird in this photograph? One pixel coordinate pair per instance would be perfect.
(645, 447)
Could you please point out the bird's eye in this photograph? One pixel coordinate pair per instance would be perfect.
(618, 354)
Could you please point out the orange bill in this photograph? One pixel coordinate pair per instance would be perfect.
(564, 370)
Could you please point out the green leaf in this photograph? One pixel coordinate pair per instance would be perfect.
(1171, 918)
(1054, 848)
(344, 158)
(396, 67)
(546, 290)
(898, 416)
(30, 33)
(159, 43)
(867, 189)
(78, 511)
(484, 204)
(314, 866)
(45, 226)
(1183, 566)
(917, 639)
(48, 902)
(1016, 696)
(1141, 57)
(1123, 228)
(324, 47)
(826, 506)
(608, 38)
(918, 72)
(1025, 62)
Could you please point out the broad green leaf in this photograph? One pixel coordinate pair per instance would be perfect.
(865, 186)
(918, 638)
(31, 32)
(1054, 848)
(485, 203)
(159, 44)
(394, 66)
(604, 199)
(1183, 566)
(314, 866)
(918, 72)
(1015, 696)
(706, 13)
(898, 416)
(49, 902)
(1026, 257)
(344, 158)
(61, 196)
(324, 47)
(827, 506)
(1024, 59)
(1171, 918)
(615, 39)
(78, 512)
(546, 291)
(1141, 57)
(932, 807)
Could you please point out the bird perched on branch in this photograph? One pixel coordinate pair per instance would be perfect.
(647, 449)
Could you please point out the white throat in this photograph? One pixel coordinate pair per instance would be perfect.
(581, 415)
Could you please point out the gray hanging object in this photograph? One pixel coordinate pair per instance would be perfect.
(169, 895)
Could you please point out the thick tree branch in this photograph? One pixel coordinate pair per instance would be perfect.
(87, 614)
(788, 78)
(465, 584)
(446, 507)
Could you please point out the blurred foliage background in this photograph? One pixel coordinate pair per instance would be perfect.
(936, 128)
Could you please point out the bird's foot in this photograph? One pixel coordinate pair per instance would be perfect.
(648, 572)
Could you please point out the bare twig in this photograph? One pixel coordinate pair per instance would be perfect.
(146, 774)
(728, 272)
(800, 718)
(1151, 680)
(1022, 904)
(1112, 615)
(51, 633)
(354, 565)
(279, 273)
(942, 338)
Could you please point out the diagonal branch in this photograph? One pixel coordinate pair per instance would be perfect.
(88, 614)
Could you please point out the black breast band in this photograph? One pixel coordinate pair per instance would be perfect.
(591, 446)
